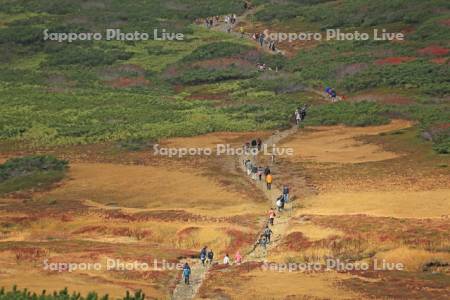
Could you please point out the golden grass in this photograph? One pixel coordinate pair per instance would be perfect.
(280, 285)
(403, 204)
(338, 144)
(152, 188)
(412, 259)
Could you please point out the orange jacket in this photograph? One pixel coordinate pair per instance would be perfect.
(269, 178)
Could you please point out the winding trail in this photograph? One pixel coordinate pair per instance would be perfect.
(281, 223)
(199, 272)
(222, 26)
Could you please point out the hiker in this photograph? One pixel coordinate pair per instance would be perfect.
(226, 259)
(267, 233)
(333, 96)
(249, 167)
(273, 48)
(203, 254)
(211, 22)
(272, 216)
(254, 171)
(241, 30)
(297, 116)
(261, 39)
(227, 19)
(285, 193)
(269, 180)
(303, 113)
(234, 18)
(280, 203)
(238, 258)
(260, 173)
(263, 241)
(210, 257)
(186, 273)
(259, 144)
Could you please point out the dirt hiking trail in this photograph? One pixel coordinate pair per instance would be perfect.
(282, 219)
(199, 272)
(187, 291)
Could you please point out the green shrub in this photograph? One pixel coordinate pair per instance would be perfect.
(23, 166)
(216, 50)
(441, 143)
(77, 55)
(64, 294)
(202, 75)
(30, 172)
(25, 35)
(351, 114)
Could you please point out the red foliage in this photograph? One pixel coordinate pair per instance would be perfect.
(439, 60)
(296, 241)
(445, 22)
(394, 60)
(434, 50)
(124, 82)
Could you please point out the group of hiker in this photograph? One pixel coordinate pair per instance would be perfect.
(262, 38)
(253, 144)
(300, 114)
(257, 172)
(207, 258)
(331, 93)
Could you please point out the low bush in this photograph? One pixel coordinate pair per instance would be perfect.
(64, 294)
(351, 114)
(202, 75)
(30, 172)
(77, 55)
(216, 50)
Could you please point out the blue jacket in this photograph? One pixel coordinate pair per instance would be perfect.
(186, 272)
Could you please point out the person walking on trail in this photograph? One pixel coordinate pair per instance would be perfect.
(186, 273)
(280, 203)
(297, 116)
(226, 259)
(260, 173)
(266, 171)
(285, 193)
(249, 168)
(269, 180)
(210, 257)
(254, 172)
(203, 254)
(261, 39)
(238, 258)
(263, 241)
(272, 216)
(267, 233)
(303, 113)
(259, 144)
